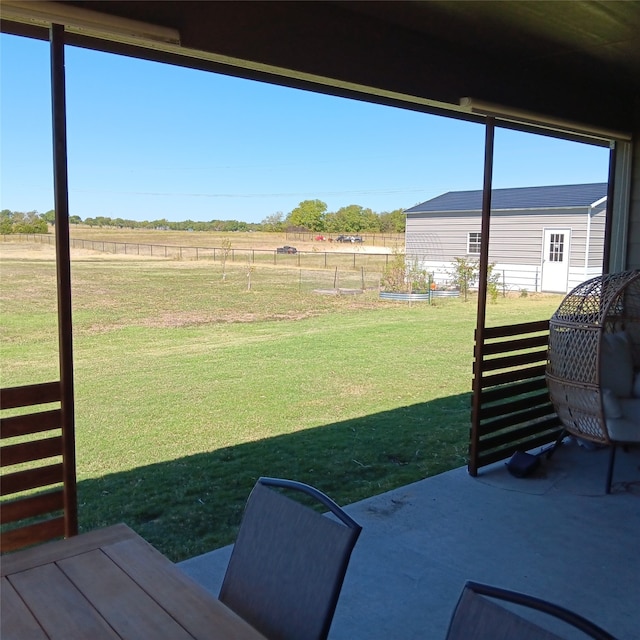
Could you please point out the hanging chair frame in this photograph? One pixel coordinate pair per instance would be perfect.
(605, 305)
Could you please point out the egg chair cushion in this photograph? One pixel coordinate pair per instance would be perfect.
(611, 404)
(616, 364)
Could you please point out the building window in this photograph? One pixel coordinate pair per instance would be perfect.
(556, 247)
(473, 245)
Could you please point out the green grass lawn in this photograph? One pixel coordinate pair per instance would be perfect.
(189, 387)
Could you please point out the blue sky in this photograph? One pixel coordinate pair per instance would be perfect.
(148, 141)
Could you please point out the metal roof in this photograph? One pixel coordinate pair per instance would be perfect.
(557, 196)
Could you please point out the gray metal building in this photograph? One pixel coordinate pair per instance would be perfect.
(542, 238)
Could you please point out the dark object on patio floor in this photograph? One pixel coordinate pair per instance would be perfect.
(478, 616)
(523, 464)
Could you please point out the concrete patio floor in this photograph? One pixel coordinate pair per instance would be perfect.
(556, 535)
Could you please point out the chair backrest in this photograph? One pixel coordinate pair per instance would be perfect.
(479, 616)
(288, 563)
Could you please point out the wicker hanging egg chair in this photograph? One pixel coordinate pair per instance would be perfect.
(594, 361)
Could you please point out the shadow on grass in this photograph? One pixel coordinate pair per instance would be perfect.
(193, 504)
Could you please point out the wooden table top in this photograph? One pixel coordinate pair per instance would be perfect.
(108, 583)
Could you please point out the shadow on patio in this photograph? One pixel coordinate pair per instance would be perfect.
(555, 535)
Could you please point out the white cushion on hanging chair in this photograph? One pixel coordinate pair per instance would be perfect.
(611, 404)
(616, 364)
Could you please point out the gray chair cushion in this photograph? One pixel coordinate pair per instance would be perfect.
(616, 364)
(480, 615)
(478, 618)
(287, 567)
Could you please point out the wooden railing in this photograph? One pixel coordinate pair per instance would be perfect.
(37, 491)
(511, 408)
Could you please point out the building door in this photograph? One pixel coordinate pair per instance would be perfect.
(555, 260)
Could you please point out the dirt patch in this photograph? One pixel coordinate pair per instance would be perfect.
(27, 251)
(10, 250)
(192, 319)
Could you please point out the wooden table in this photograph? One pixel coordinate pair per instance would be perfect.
(108, 583)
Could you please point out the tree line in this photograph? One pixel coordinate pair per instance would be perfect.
(20, 222)
(309, 215)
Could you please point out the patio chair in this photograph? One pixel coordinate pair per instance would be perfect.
(593, 367)
(478, 616)
(288, 563)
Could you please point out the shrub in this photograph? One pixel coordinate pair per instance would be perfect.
(401, 276)
(464, 274)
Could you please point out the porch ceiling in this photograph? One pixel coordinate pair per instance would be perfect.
(576, 61)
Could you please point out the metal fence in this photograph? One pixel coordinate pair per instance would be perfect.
(392, 240)
(355, 261)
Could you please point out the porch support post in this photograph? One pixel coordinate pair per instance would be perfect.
(63, 268)
(482, 295)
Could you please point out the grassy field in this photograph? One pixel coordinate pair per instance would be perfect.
(189, 387)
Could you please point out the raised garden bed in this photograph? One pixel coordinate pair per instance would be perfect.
(419, 297)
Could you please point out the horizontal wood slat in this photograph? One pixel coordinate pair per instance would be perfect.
(32, 506)
(522, 404)
(37, 485)
(492, 333)
(30, 479)
(14, 397)
(30, 451)
(517, 360)
(489, 457)
(511, 420)
(519, 433)
(514, 345)
(30, 423)
(511, 407)
(511, 391)
(512, 376)
(32, 534)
